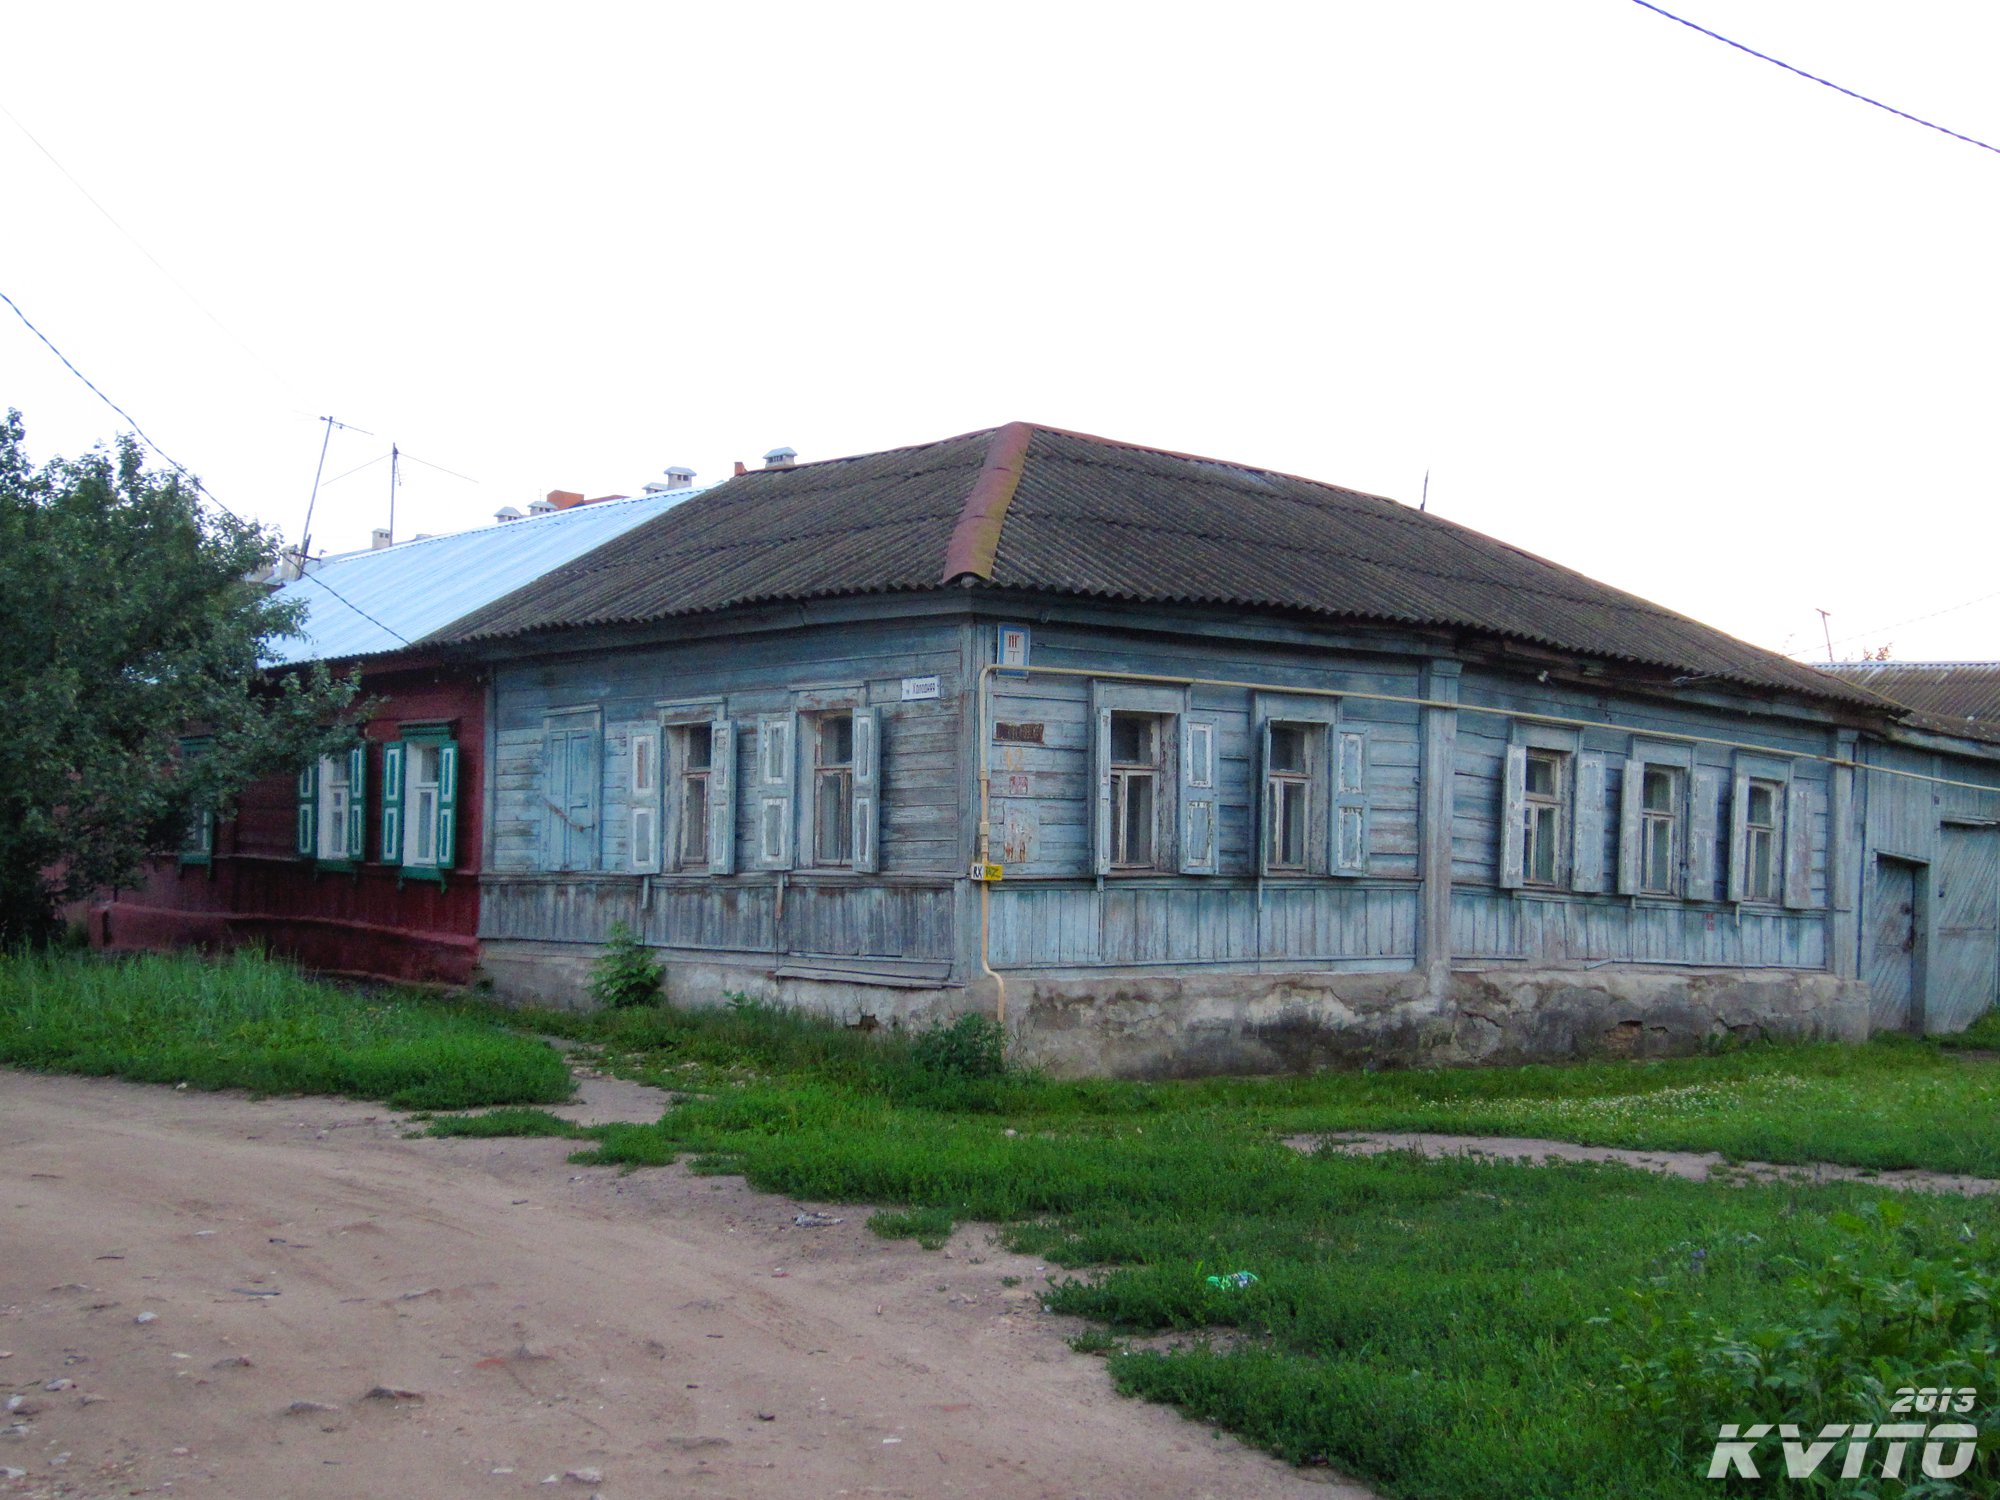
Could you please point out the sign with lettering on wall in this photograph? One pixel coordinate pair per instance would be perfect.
(916, 688)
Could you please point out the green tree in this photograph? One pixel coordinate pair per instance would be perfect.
(126, 624)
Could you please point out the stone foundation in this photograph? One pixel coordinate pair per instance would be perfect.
(1184, 1026)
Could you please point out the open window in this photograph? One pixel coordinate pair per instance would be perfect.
(420, 801)
(332, 803)
(1770, 833)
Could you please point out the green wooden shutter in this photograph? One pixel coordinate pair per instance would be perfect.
(867, 789)
(394, 755)
(1514, 818)
(447, 817)
(721, 798)
(308, 827)
(357, 801)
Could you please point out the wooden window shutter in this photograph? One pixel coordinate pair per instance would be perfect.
(1798, 845)
(1100, 750)
(394, 754)
(721, 798)
(1586, 858)
(1704, 805)
(1631, 802)
(643, 849)
(308, 825)
(1739, 835)
(1260, 800)
(1347, 852)
(867, 789)
(1197, 797)
(447, 824)
(356, 841)
(777, 735)
(1514, 817)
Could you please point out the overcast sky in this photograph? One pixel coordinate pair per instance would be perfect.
(1640, 303)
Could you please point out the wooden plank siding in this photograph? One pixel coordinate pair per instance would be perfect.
(1053, 911)
(1697, 926)
(1219, 921)
(1930, 888)
(907, 911)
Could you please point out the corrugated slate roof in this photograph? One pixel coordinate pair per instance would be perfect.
(365, 603)
(1043, 509)
(1954, 697)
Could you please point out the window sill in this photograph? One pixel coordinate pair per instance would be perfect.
(429, 874)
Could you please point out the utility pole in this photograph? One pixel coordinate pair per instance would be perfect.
(395, 459)
(1827, 631)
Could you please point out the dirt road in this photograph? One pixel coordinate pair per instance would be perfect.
(199, 1292)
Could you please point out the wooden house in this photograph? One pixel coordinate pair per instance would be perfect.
(367, 864)
(1176, 765)
(1931, 845)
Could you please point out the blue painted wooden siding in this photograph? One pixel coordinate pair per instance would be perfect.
(1346, 924)
(816, 917)
(1945, 862)
(923, 776)
(907, 911)
(1042, 792)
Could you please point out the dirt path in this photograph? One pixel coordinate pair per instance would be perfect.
(1696, 1166)
(198, 1292)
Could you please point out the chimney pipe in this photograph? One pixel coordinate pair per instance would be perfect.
(379, 538)
(781, 458)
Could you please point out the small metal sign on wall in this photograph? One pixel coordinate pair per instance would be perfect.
(1013, 651)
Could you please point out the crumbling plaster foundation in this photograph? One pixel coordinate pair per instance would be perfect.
(1183, 1026)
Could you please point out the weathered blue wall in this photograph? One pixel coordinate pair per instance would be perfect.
(906, 911)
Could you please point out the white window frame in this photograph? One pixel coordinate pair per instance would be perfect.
(1791, 840)
(1638, 826)
(1578, 800)
(335, 793)
(679, 721)
(1167, 709)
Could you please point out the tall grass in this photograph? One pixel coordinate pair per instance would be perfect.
(248, 1022)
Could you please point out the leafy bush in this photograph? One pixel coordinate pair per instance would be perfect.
(968, 1046)
(626, 974)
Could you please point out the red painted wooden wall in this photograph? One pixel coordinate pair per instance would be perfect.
(366, 922)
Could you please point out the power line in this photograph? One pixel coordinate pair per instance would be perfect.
(1950, 609)
(89, 197)
(1815, 78)
(182, 470)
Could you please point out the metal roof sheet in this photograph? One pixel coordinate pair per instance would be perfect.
(1953, 697)
(1043, 509)
(365, 603)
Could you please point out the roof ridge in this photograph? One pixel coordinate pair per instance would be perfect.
(976, 539)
